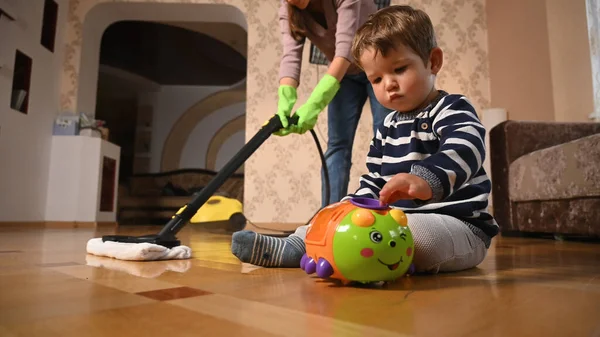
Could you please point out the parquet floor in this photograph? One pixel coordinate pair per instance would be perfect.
(50, 287)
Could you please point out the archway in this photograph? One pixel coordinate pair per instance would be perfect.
(216, 143)
(180, 132)
(81, 44)
(83, 37)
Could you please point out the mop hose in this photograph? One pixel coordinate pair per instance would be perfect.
(164, 246)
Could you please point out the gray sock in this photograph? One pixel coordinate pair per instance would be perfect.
(267, 251)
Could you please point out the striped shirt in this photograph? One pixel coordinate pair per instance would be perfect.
(444, 144)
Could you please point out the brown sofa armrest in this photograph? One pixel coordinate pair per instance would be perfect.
(510, 140)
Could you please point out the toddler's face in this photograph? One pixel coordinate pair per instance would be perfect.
(401, 81)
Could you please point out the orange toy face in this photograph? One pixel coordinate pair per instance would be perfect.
(360, 242)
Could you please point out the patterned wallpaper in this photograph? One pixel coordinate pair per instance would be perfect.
(282, 181)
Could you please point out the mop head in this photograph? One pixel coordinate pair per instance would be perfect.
(139, 268)
(137, 251)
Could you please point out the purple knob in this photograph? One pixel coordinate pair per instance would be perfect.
(310, 266)
(368, 203)
(303, 261)
(324, 268)
(411, 269)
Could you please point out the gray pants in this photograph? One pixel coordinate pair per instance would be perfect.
(442, 243)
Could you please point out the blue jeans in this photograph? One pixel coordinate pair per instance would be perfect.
(343, 114)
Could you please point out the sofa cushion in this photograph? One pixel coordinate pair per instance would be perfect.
(566, 216)
(569, 170)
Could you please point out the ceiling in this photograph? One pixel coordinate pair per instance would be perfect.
(231, 34)
(175, 53)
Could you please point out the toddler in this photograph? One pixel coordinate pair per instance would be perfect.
(426, 159)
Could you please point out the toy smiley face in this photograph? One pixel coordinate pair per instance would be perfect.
(373, 245)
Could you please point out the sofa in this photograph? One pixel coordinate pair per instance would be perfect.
(546, 178)
(151, 198)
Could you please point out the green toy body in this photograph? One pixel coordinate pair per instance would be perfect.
(359, 240)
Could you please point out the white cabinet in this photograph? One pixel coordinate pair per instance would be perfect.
(83, 180)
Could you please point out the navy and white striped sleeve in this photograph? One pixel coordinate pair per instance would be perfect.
(371, 183)
(461, 152)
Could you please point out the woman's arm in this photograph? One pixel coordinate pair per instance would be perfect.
(348, 20)
(348, 17)
(291, 60)
(288, 81)
(338, 67)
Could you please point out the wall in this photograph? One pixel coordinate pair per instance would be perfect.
(282, 181)
(539, 59)
(169, 103)
(25, 139)
(166, 104)
(82, 59)
(593, 23)
(196, 148)
(570, 60)
(520, 69)
(117, 103)
(282, 178)
(230, 147)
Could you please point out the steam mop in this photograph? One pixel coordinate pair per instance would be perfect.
(165, 245)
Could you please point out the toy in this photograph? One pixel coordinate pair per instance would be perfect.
(218, 209)
(358, 240)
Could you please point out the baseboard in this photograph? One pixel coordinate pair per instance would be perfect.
(79, 224)
(57, 224)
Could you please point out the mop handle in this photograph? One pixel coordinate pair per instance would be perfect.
(178, 221)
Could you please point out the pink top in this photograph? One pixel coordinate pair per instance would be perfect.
(343, 18)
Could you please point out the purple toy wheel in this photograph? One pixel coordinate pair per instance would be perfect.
(303, 261)
(311, 266)
(324, 268)
(368, 203)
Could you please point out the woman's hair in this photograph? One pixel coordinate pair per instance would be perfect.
(297, 25)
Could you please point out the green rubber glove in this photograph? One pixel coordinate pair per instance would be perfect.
(320, 97)
(287, 99)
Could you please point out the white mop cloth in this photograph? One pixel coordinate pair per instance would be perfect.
(139, 268)
(137, 251)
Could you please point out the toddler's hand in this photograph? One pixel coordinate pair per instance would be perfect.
(405, 186)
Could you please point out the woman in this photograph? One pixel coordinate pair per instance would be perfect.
(330, 25)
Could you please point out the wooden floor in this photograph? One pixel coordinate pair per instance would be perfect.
(50, 287)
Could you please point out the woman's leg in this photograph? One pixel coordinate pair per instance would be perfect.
(444, 243)
(343, 114)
